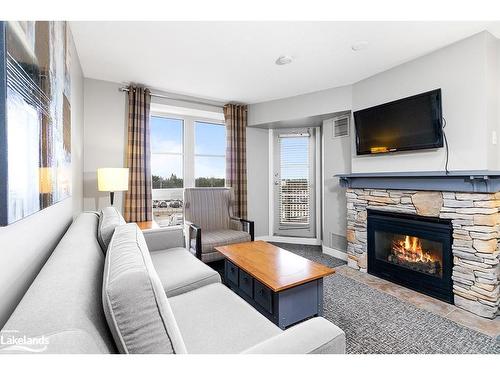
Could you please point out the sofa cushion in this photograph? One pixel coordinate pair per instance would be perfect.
(135, 305)
(109, 219)
(181, 272)
(213, 319)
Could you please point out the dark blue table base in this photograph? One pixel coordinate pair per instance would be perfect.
(283, 308)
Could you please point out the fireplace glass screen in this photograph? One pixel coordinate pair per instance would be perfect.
(414, 253)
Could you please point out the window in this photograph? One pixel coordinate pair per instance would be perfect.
(186, 150)
(210, 154)
(166, 136)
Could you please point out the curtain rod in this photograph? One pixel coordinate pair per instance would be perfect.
(125, 89)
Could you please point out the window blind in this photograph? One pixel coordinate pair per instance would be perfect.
(294, 192)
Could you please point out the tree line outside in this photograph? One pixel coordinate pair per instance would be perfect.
(173, 182)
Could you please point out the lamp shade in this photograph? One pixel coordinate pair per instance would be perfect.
(112, 179)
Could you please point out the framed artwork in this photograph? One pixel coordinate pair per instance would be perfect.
(35, 117)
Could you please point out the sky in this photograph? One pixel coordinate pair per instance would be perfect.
(166, 136)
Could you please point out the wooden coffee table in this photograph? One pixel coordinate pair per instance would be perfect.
(284, 287)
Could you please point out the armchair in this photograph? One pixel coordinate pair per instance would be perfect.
(209, 222)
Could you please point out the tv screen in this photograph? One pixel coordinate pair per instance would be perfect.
(411, 123)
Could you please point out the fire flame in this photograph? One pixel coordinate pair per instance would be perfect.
(410, 249)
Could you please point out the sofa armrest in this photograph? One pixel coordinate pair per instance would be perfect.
(164, 238)
(315, 336)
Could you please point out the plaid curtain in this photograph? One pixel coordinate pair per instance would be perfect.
(236, 158)
(138, 198)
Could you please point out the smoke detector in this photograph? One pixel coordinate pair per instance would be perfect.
(283, 60)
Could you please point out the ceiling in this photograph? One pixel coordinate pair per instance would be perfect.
(234, 61)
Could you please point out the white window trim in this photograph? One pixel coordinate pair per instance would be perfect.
(188, 139)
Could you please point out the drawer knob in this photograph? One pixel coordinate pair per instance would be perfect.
(261, 292)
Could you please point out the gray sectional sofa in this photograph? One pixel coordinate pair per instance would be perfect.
(109, 287)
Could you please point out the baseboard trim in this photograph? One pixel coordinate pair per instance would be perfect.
(334, 253)
(292, 240)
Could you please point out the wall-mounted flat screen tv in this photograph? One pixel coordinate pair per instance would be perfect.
(412, 123)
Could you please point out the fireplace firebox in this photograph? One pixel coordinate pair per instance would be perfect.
(411, 250)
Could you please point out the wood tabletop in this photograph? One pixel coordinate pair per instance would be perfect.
(145, 225)
(278, 269)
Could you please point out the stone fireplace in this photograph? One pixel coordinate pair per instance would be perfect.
(474, 222)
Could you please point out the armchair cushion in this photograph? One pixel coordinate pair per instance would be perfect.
(214, 238)
(181, 272)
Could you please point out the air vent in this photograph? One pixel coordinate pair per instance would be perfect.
(341, 126)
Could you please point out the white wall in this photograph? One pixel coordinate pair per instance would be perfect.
(296, 107)
(104, 138)
(27, 244)
(258, 179)
(461, 71)
(336, 153)
(496, 103)
(493, 99)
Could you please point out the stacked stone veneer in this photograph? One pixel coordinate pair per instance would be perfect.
(476, 226)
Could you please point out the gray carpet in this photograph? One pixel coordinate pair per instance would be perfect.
(378, 323)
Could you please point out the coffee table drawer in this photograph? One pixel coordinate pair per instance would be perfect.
(263, 296)
(232, 272)
(246, 283)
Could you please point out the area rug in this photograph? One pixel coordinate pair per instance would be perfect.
(378, 323)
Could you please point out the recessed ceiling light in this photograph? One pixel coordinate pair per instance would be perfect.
(360, 45)
(284, 60)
